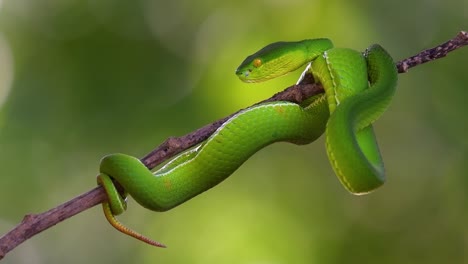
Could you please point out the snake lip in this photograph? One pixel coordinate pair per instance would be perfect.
(243, 74)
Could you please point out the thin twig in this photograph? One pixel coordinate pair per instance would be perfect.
(33, 224)
(435, 53)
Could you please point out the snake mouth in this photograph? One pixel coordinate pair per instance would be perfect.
(244, 75)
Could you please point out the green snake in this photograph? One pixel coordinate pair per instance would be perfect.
(358, 89)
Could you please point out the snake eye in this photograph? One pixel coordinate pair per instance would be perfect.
(257, 63)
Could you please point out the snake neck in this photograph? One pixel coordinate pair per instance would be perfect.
(342, 73)
(316, 47)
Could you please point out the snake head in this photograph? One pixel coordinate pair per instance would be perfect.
(270, 62)
(280, 58)
(248, 71)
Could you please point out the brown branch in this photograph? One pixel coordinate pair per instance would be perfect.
(32, 224)
(35, 223)
(460, 40)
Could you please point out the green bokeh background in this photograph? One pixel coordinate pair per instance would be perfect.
(90, 78)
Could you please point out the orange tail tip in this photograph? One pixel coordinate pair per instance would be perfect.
(120, 227)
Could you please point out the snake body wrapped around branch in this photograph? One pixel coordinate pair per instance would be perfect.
(358, 89)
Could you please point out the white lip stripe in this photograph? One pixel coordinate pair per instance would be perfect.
(304, 73)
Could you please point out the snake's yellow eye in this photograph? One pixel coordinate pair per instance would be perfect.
(257, 63)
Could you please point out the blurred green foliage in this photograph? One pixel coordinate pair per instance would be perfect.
(80, 79)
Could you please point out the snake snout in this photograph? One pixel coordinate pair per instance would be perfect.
(243, 74)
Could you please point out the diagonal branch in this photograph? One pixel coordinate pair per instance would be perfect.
(33, 224)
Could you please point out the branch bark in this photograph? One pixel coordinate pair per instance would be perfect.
(33, 224)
